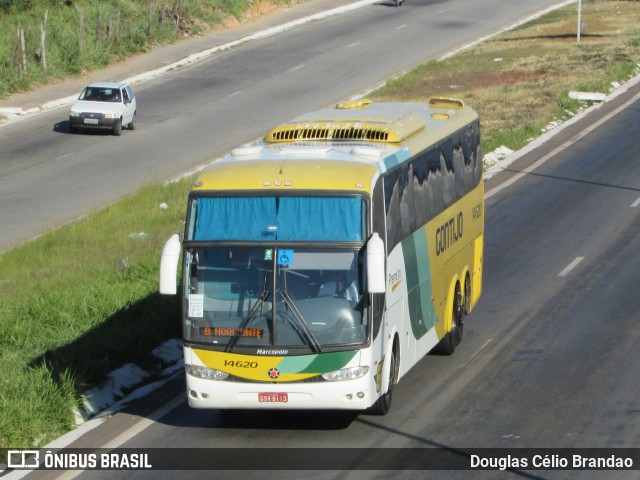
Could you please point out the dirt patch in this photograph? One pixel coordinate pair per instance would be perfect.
(470, 81)
(258, 10)
(519, 81)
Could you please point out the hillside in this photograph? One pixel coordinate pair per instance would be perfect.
(45, 40)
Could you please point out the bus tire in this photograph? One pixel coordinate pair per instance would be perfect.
(453, 338)
(383, 404)
(467, 294)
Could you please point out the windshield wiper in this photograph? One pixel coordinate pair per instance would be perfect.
(300, 323)
(252, 314)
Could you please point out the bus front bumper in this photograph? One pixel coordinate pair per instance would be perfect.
(343, 395)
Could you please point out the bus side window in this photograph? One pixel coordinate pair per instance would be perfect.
(377, 311)
(378, 211)
(391, 200)
(378, 225)
(420, 173)
(407, 202)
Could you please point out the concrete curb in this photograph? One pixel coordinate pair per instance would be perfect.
(508, 159)
(122, 382)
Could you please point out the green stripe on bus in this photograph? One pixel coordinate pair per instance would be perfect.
(323, 362)
(418, 271)
(412, 268)
(426, 289)
(295, 364)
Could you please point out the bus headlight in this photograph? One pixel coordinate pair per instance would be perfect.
(346, 374)
(205, 372)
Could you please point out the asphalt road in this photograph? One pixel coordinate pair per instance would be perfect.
(197, 113)
(549, 356)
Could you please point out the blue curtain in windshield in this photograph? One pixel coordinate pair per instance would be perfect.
(229, 218)
(294, 218)
(320, 218)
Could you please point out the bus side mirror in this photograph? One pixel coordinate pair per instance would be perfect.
(375, 265)
(169, 265)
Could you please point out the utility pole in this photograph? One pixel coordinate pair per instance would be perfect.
(579, 18)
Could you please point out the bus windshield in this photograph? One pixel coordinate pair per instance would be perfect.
(266, 296)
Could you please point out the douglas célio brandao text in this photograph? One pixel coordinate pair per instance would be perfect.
(550, 461)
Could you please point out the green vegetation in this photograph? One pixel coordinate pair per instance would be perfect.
(519, 82)
(82, 300)
(83, 35)
(78, 303)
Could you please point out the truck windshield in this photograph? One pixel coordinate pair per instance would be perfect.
(273, 297)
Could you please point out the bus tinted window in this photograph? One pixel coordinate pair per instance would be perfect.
(338, 219)
(436, 178)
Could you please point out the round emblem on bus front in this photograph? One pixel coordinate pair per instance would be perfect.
(273, 373)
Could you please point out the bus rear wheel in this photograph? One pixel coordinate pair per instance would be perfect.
(467, 294)
(453, 338)
(383, 404)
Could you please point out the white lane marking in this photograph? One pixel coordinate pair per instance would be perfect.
(146, 422)
(557, 150)
(636, 203)
(479, 353)
(64, 156)
(132, 432)
(353, 44)
(401, 26)
(297, 67)
(571, 266)
(235, 93)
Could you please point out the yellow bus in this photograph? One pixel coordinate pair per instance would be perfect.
(322, 263)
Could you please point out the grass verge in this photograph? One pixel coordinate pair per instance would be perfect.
(81, 301)
(77, 303)
(84, 35)
(519, 81)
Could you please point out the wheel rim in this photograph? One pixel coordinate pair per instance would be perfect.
(467, 294)
(392, 371)
(457, 318)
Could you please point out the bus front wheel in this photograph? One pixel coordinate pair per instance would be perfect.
(383, 404)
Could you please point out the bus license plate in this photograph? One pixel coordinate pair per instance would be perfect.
(273, 397)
